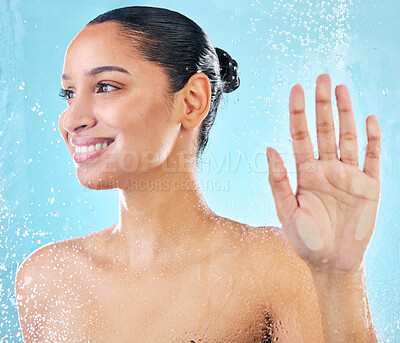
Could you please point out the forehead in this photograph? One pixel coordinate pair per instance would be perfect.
(102, 45)
(99, 44)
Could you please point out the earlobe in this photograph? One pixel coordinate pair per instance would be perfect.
(197, 97)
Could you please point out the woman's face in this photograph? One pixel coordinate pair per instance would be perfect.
(118, 109)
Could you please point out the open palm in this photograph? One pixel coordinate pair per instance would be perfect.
(331, 218)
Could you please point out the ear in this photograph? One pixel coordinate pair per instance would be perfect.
(197, 98)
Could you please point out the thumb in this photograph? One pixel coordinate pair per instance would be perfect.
(285, 201)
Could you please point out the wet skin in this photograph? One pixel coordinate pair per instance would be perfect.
(223, 291)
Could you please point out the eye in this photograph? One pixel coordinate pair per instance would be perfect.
(102, 87)
(66, 94)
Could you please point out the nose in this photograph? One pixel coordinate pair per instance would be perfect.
(78, 116)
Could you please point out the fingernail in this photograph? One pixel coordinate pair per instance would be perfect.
(324, 89)
(298, 101)
(268, 153)
(372, 128)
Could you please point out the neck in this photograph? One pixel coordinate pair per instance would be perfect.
(160, 218)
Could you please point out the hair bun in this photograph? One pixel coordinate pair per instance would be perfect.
(229, 71)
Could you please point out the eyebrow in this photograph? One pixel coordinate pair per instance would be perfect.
(100, 70)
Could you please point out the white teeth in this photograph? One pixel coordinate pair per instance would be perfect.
(83, 148)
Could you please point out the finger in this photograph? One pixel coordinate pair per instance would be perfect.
(327, 148)
(285, 201)
(347, 127)
(373, 151)
(301, 142)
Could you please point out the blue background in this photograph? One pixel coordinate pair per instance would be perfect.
(276, 43)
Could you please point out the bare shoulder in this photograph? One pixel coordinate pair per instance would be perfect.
(258, 243)
(47, 307)
(254, 246)
(265, 242)
(39, 265)
(269, 247)
(48, 261)
(287, 284)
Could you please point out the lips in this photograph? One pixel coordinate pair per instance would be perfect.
(88, 148)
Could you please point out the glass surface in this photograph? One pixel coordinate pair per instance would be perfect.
(276, 44)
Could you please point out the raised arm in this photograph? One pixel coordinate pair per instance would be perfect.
(331, 218)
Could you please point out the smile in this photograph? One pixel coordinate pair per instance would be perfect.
(88, 148)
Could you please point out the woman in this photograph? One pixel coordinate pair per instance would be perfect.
(143, 86)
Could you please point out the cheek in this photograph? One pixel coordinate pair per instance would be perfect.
(159, 128)
(142, 123)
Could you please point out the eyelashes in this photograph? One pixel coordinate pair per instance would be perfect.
(101, 87)
(65, 93)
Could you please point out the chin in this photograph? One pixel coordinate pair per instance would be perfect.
(96, 182)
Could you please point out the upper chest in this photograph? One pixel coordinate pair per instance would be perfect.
(209, 302)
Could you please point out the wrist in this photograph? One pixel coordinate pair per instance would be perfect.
(344, 305)
(336, 274)
(335, 282)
